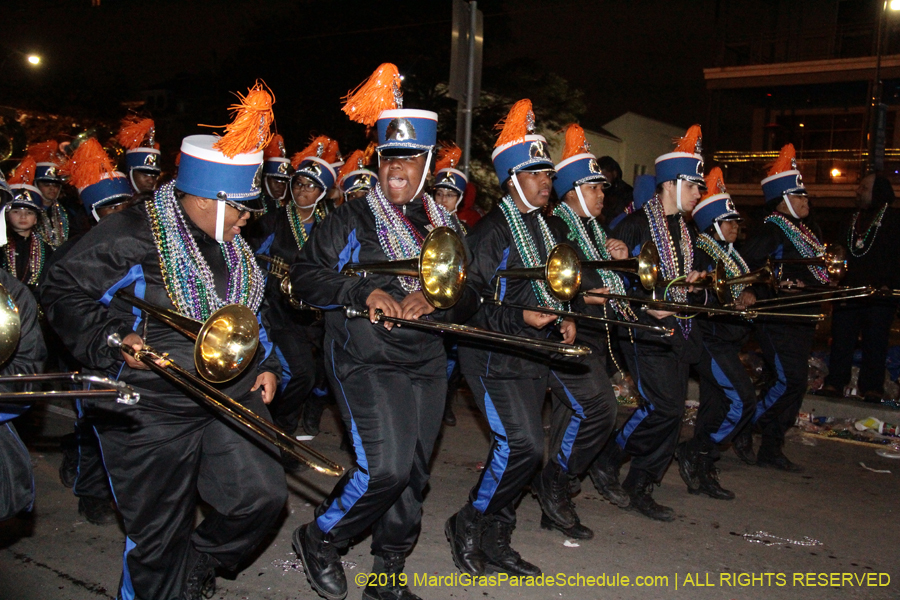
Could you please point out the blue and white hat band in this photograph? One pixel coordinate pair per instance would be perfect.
(361, 179)
(27, 196)
(318, 170)
(531, 153)
(577, 170)
(207, 173)
(450, 178)
(407, 128)
(680, 165)
(719, 207)
(786, 182)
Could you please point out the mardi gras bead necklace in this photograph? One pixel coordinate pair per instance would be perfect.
(37, 254)
(804, 240)
(863, 242)
(188, 279)
(598, 252)
(397, 236)
(732, 261)
(55, 229)
(668, 263)
(528, 250)
(297, 228)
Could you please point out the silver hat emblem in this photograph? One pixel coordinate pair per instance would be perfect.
(593, 167)
(150, 160)
(537, 150)
(400, 130)
(257, 179)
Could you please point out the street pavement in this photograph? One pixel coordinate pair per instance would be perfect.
(830, 532)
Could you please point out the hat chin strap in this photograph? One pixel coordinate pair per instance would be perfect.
(722, 235)
(304, 207)
(515, 180)
(581, 201)
(220, 221)
(678, 196)
(787, 200)
(424, 174)
(3, 239)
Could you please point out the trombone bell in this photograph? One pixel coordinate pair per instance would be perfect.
(563, 272)
(10, 325)
(226, 343)
(442, 267)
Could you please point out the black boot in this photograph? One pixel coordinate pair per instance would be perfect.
(388, 569)
(639, 485)
(604, 473)
(96, 511)
(449, 415)
(688, 459)
(500, 557)
(68, 469)
(463, 531)
(320, 561)
(775, 458)
(312, 416)
(708, 476)
(575, 532)
(201, 579)
(551, 488)
(742, 444)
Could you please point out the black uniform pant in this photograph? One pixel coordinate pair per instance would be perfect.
(651, 433)
(583, 414)
(159, 463)
(512, 408)
(785, 348)
(850, 321)
(727, 394)
(16, 475)
(393, 415)
(91, 479)
(299, 349)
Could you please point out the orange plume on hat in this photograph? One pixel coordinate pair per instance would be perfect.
(45, 152)
(134, 131)
(88, 164)
(448, 157)
(355, 162)
(715, 183)
(380, 92)
(517, 124)
(690, 143)
(275, 149)
(249, 130)
(24, 172)
(322, 147)
(575, 142)
(786, 161)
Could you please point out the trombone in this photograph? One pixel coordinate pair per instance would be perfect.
(122, 393)
(441, 270)
(645, 265)
(278, 268)
(224, 346)
(833, 260)
(562, 272)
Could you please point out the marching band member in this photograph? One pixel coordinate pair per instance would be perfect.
(181, 250)
(277, 172)
(312, 166)
(786, 233)
(510, 387)
(660, 366)
(727, 394)
(23, 228)
(48, 179)
(389, 382)
(138, 137)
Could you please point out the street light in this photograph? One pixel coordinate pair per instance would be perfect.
(35, 60)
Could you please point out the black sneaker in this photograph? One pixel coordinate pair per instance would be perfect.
(97, 511)
(321, 563)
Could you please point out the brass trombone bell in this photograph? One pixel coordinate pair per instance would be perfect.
(645, 265)
(440, 267)
(562, 272)
(224, 344)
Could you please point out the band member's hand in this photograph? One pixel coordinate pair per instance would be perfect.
(538, 320)
(381, 300)
(415, 305)
(745, 300)
(616, 248)
(268, 382)
(596, 299)
(568, 330)
(660, 314)
(694, 276)
(788, 283)
(134, 340)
